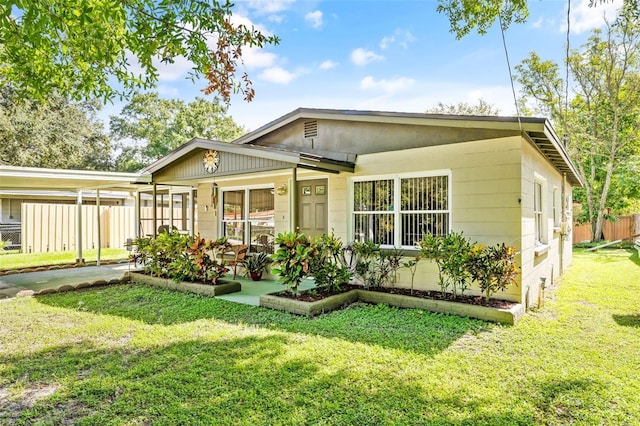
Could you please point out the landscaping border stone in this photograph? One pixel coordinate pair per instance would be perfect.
(85, 284)
(486, 313)
(224, 287)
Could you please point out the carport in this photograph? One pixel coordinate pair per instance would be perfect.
(13, 178)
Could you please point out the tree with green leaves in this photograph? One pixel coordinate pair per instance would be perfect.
(54, 133)
(80, 48)
(149, 127)
(468, 15)
(464, 108)
(602, 118)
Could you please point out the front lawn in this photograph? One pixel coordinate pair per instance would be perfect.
(15, 260)
(136, 355)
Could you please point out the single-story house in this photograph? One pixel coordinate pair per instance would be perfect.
(388, 177)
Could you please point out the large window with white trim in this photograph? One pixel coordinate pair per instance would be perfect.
(396, 211)
(248, 218)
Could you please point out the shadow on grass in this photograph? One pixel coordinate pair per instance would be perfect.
(242, 381)
(564, 400)
(627, 320)
(413, 330)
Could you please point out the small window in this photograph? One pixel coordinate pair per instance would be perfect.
(537, 212)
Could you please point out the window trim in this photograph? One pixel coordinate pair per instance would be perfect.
(246, 199)
(397, 212)
(540, 216)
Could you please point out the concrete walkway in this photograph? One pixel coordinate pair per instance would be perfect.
(10, 285)
(252, 290)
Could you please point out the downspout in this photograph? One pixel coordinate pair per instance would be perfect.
(294, 200)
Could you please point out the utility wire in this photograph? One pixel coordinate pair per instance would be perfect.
(513, 88)
(566, 76)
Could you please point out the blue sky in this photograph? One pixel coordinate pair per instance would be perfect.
(381, 55)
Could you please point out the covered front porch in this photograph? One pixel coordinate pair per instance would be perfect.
(245, 193)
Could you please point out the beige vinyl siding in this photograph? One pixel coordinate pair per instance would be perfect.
(207, 217)
(547, 264)
(485, 180)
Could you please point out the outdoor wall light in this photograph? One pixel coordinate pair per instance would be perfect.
(282, 189)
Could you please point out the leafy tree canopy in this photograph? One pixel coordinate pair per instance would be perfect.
(468, 15)
(149, 127)
(464, 108)
(602, 116)
(81, 48)
(55, 133)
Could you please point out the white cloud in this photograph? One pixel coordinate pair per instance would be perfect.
(257, 58)
(277, 75)
(265, 7)
(400, 37)
(173, 71)
(239, 19)
(538, 23)
(278, 19)
(386, 42)
(314, 18)
(328, 65)
(165, 90)
(585, 18)
(389, 86)
(362, 56)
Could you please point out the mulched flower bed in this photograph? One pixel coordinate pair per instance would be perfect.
(314, 295)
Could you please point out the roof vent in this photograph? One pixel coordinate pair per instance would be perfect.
(311, 129)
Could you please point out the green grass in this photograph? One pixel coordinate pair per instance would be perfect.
(15, 260)
(130, 354)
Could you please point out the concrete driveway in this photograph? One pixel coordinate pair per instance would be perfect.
(10, 285)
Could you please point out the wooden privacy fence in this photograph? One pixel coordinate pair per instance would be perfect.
(53, 227)
(623, 227)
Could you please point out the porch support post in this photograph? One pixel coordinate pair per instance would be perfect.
(154, 214)
(170, 209)
(99, 221)
(192, 211)
(294, 200)
(79, 228)
(136, 215)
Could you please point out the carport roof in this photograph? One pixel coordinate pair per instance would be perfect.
(31, 178)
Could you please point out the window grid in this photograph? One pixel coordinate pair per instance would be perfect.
(423, 206)
(253, 226)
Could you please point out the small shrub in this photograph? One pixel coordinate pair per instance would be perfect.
(493, 268)
(294, 254)
(328, 267)
(451, 253)
(412, 266)
(181, 257)
(374, 267)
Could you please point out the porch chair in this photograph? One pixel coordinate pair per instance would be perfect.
(239, 254)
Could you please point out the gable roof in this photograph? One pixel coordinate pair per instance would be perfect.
(281, 156)
(538, 131)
